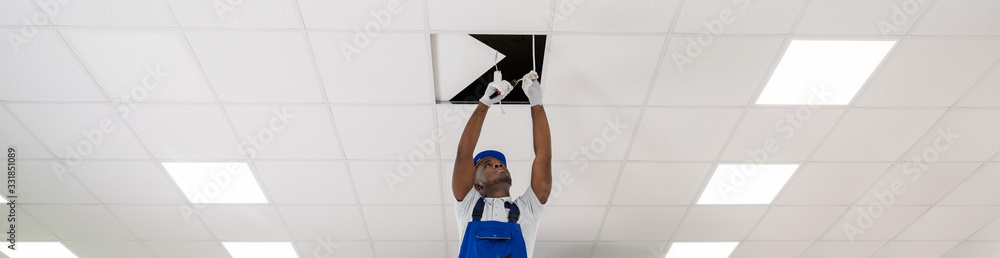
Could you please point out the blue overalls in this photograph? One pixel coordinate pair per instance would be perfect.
(493, 239)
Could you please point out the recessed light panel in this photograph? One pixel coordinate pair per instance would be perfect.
(39, 250)
(746, 183)
(260, 249)
(701, 249)
(823, 72)
(216, 182)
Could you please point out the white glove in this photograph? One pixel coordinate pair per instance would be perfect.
(532, 88)
(503, 87)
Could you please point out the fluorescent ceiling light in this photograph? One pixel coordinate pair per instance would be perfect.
(701, 250)
(216, 182)
(746, 183)
(823, 72)
(38, 250)
(260, 249)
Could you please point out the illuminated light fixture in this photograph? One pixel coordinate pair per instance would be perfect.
(260, 249)
(746, 183)
(216, 182)
(823, 72)
(701, 249)
(39, 250)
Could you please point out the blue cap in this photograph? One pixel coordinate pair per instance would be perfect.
(490, 153)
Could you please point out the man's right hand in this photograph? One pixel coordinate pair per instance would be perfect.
(503, 86)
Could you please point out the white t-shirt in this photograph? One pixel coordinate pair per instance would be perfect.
(527, 204)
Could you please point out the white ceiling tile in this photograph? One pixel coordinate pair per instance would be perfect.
(874, 222)
(410, 248)
(795, 223)
(563, 249)
(785, 134)
(80, 222)
(46, 184)
(683, 134)
(236, 14)
(918, 74)
(949, 223)
(583, 133)
(230, 222)
(160, 222)
(22, 12)
(80, 131)
(961, 135)
(397, 182)
(855, 139)
(630, 249)
(451, 223)
(914, 249)
(324, 222)
(186, 132)
(718, 223)
(519, 15)
(258, 66)
(583, 183)
(570, 223)
(644, 183)
(600, 70)
(184, 249)
(43, 68)
(454, 248)
(614, 16)
(285, 132)
(137, 66)
(908, 183)
(738, 17)
(113, 13)
(496, 134)
(307, 182)
(838, 249)
(129, 182)
(830, 183)
(109, 249)
(400, 222)
(860, 17)
(974, 249)
(17, 136)
(31, 229)
(774, 249)
(416, 142)
(520, 174)
(985, 93)
(326, 248)
(369, 15)
(359, 75)
(658, 223)
(955, 17)
(989, 232)
(689, 75)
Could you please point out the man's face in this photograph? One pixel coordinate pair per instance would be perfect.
(495, 171)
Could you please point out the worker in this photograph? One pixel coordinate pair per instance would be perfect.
(491, 223)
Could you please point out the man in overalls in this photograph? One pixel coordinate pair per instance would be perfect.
(491, 223)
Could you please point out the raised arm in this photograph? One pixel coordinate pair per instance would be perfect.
(464, 174)
(541, 168)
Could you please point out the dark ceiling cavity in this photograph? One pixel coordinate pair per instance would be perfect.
(517, 49)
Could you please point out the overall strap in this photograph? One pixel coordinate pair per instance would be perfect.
(512, 215)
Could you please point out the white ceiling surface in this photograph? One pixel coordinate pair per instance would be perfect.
(636, 134)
